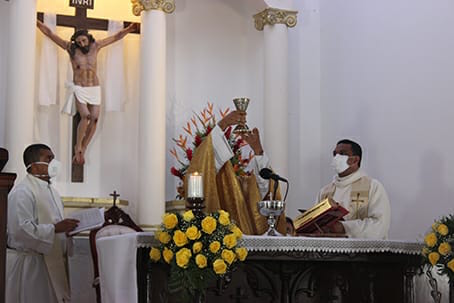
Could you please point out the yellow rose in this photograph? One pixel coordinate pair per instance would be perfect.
(188, 216)
(180, 238)
(214, 246)
(167, 254)
(209, 225)
(430, 240)
(155, 254)
(201, 261)
(224, 217)
(170, 220)
(197, 247)
(183, 256)
(434, 257)
(241, 253)
(451, 265)
(219, 266)
(444, 248)
(192, 232)
(229, 240)
(164, 237)
(228, 256)
(237, 231)
(442, 229)
(223, 212)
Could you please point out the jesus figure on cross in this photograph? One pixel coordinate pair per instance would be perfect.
(85, 89)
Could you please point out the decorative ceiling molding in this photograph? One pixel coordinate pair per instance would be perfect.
(167, 6)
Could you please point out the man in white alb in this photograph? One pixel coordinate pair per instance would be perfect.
(365, 198)
(37, 241)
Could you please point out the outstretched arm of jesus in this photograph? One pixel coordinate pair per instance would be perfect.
(47, 31)
(118, 36)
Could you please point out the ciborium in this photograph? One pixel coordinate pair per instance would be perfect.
(271, 209)
(241, 104)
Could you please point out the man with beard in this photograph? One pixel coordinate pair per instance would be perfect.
(85, 91)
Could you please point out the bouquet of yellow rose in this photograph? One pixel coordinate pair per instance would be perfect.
(199, 248)
(438, 243)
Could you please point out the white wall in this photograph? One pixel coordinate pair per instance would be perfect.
(304, 108)
(4, 29)
(387, 82)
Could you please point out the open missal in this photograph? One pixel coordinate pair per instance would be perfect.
(89, 219)
(325, 213)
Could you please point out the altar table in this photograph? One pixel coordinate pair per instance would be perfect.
(301, 269)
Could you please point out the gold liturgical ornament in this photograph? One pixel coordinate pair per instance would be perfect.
(241, 104)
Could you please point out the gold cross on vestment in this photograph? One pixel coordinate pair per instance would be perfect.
(358, 202)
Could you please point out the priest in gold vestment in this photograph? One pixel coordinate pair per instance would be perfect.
(222, 188)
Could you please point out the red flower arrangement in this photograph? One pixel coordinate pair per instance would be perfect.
(198, 128)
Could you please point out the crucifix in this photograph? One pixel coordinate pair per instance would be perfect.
(358, 201)
(115, 196)
(81, 21)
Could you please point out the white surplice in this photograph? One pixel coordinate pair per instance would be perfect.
(35, 266)
(376, 224)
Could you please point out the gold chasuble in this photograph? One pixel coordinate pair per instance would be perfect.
(226, 191)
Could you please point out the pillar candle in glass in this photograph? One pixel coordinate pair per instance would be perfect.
(195, 185)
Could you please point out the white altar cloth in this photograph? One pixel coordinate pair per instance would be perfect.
(117, 256)
(312, 244)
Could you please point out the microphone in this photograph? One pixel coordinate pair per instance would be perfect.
(267, 174)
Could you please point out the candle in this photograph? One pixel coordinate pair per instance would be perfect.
(195, 185)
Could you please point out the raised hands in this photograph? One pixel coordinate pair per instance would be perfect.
(253, 139)
(232, 118)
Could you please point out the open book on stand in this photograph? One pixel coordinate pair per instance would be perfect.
(89, 219)
(323, 214)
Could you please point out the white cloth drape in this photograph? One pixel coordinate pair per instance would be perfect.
(117, 268)
(115, 71)
(47, 89)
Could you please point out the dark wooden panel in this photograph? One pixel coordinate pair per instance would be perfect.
(312, 277)
(6, 183)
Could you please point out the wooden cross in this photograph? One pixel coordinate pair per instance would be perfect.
(80, 21)
(358, 202)
(114, 195)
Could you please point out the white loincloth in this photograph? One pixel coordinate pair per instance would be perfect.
(84, 94)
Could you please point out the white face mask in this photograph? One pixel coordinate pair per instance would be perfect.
(53, 167)
(339, 163)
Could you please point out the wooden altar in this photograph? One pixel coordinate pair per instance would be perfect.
(6, 183)
(284, 269)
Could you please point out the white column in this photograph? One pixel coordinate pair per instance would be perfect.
(152, 123)
(20, 82)
(275, 22)
(276, 97)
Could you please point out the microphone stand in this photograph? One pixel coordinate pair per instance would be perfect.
(276, 184)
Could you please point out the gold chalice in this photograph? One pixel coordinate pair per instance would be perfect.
(241, 104)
